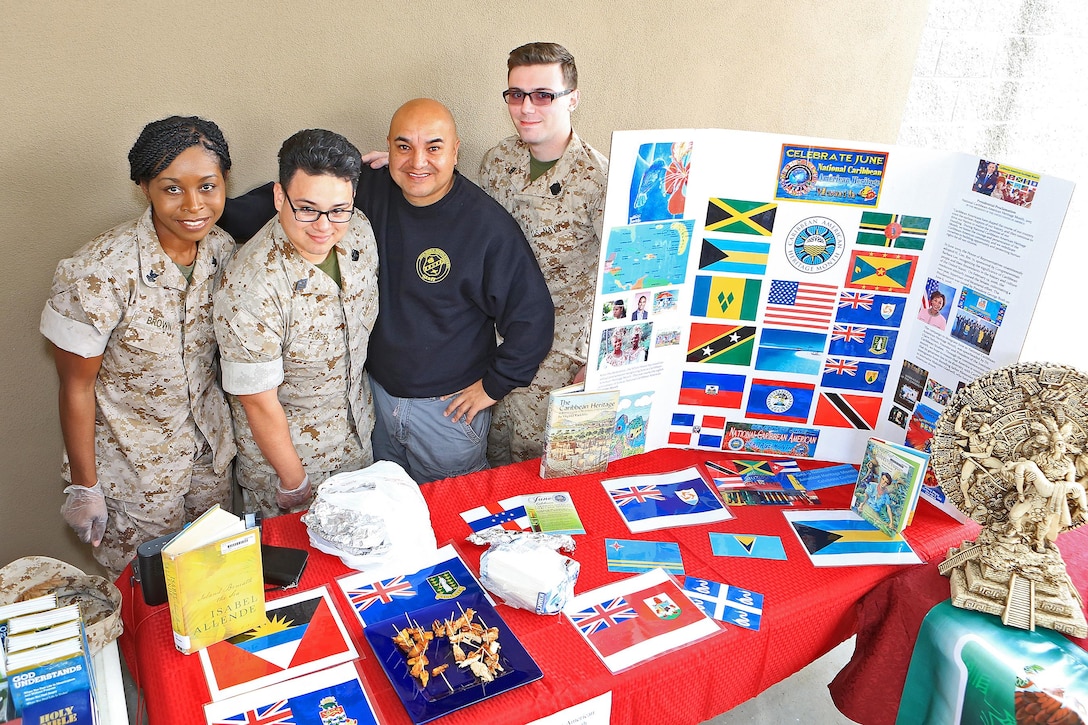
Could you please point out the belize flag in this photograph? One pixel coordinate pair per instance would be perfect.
(780, 400)
(658, 501)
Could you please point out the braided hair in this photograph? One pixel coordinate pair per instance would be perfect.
(163, 141)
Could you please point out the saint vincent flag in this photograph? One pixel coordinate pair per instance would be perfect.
(729, 255)
(714, 389)
(880, 271)
(840, 410)
(731, 298)
(780, 400)
(740, 217)
(721, 344)
(893, 230)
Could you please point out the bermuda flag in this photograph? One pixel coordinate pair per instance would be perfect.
(841, 410)
(869, 308)
(862, 341)
(508, 514)
(278, 713)
(800, 304)
(717, 390)
(602, 616)
(780, 400)
(702, 431)
(846, 374)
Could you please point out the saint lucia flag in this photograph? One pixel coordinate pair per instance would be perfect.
(880, 271)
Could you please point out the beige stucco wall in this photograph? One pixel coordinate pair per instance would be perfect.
(79, 79)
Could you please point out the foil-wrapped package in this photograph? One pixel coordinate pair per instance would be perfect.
(527, 572)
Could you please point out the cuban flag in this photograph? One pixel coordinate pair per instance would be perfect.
(602, 616)
(380, 591)
(278, 713)
(508, 513)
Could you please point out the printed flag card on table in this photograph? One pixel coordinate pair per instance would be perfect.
(726, 603)
(442, 577)
(334, 695)
(634, 556)
(635, 620)
(303, 633)
(508, 513)
(842, 538)
(747, 546)
(663, 500)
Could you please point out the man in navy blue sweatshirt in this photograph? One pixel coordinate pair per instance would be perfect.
(454, 269)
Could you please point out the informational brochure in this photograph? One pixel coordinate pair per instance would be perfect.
(804, 294)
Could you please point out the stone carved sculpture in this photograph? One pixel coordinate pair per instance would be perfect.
(1011, 451)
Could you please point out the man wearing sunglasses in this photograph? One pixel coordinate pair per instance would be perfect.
(293, 317)
(553, 183)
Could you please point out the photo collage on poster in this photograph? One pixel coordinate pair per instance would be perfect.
(770, 323)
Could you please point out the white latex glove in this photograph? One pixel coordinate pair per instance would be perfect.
(289, 499)
(85, 512)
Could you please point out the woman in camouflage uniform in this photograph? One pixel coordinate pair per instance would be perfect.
(147, 431)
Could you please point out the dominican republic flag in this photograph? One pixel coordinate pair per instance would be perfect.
(717, 390)
(862, 341)
(869, 308)
(800, 304)
(603, 615)
(658, 501)
(665, 619)
(698, 431)
(841, 410)
(780, 400)
(508, 513)
(848, 374)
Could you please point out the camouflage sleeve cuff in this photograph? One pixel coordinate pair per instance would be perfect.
(247, 378)
(76, 337)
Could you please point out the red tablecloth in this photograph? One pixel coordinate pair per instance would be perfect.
(868, 689)
(807, 611)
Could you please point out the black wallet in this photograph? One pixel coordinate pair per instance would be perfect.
(283, 565)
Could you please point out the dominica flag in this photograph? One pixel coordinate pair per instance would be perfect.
(731, 298)
(717, 390)
(846, 374)
(780, 400)
(721, 344)
(731, 255)
(880, 271)
(843, 410)
(893, 230)
(740, 217)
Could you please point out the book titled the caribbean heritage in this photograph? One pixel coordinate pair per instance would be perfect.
(213, 580)
(578, 436)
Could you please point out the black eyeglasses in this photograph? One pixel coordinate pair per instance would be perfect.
(537, 98)
(306, 214)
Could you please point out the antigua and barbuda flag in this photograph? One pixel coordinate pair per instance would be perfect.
(869, 308)
(862, 341)
(880, 271)
(842, 410)
(780, 400)
(893, 230)
(847, 374)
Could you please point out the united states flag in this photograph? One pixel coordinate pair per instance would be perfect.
(800, 304)
(856, 300)
(638, 494)
(603, 615)
(380, 591)
(275, 714)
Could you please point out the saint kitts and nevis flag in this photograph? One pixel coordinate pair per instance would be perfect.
(636, 619)
(721, 344)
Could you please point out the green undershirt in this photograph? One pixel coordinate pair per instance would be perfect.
(331, 267)
(186, 270)
(539, 168)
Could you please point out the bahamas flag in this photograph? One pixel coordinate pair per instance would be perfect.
(721, 344)
(862, 341)
(740, 217)
(732, 298)
(867, 308)
(780, 400)
(893, 230)
(880, 271)
(728, 255)
(848, 374)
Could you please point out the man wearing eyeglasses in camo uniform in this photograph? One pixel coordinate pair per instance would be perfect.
(293, 318)
(553, 183)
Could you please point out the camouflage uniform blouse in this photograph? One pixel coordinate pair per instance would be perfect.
(157, 398)
(283, 322)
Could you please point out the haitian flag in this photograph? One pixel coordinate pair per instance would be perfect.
(717, 390)
(720, 344)
(730, 255)
(880, 271)
(665, 619)
(740, 217)
(658, 501)
(703, 431)
(731, 298)
(868, 308)
(780, 400)
(848, 374)
(862, 341)
(840, 410)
